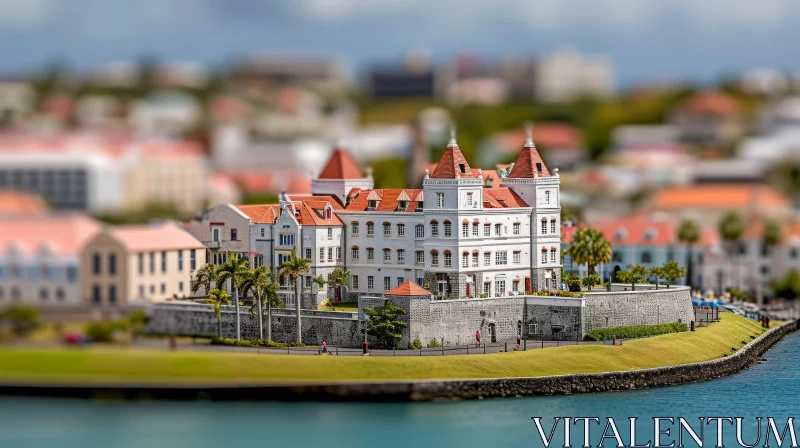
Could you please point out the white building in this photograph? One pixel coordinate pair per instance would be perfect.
(567, 75)
(453, 236)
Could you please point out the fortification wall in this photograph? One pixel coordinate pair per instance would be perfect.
(641, 307)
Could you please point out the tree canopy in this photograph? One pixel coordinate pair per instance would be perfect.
(384, 323)
(589, 247)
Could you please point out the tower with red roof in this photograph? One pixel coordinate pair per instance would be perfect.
(341, 175)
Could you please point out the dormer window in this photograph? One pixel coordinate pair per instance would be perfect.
(619, 235)
(462, 167)
(539, 166)
(649, 234)
(402, 205)
(328, 213)
(372, 205)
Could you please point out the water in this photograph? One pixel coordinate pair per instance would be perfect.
(771, 389)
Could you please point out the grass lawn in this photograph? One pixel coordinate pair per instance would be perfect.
(120, 364)
(350, 307)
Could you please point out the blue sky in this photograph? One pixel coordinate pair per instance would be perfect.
(701, 39)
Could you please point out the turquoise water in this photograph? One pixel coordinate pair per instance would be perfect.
(770, 389)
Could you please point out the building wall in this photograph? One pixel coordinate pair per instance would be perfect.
(180, 182)
(40, 279)
(623, 308)
(112, 287)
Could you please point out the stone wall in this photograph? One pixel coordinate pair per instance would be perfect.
(621, 308)
(189, 319)
(555, 318)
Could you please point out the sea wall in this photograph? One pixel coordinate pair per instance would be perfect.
(640, 307)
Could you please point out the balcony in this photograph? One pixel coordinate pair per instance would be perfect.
(211, 244)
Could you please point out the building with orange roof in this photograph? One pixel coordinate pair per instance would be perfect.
(127, 264)
(710, 118)
(18, 202)
(40, 258)
(708, 202)
(340, 175)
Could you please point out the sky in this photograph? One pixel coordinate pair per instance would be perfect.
(644, 40)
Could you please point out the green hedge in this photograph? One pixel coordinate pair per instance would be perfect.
(255, 343)
(634, 331)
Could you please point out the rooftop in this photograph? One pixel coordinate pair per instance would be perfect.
(20, 202)
(407, 289)
(166, 236)
(725, 196)
(341, 165)
(61, 234)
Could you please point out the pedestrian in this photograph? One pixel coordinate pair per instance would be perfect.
(478, 338)
(324, 347)
(519, 341)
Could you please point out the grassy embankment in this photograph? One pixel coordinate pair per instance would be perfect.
(118, 364)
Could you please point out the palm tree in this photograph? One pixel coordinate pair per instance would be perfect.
(208, 277)
(689, 234)
(260, 285)
(218, 297)
(731, 228)
(234, 270)
(294, 268)
(590, 247)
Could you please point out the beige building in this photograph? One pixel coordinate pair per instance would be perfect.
(139, 263)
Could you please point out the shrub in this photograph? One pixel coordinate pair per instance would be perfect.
(433, 343)
(634, 331)
(416, 344)
(101, 331)
(325, 304)
(555, 293)
(22, 318)
(573, 282)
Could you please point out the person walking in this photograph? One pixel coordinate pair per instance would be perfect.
(519, 341)
(324, 347)
(478, 338)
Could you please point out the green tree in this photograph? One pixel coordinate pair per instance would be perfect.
(207, 277)
(788, 286)
(234, 271)
(671, 272)
(689, 234)
(294, 268)
(218, 297)
(731, 228)
(260, 285)
(772, 234)
(22, 319)
(589, 247)
(656, 272)
(573, 282)
(590, 281)
(634, 274)
(384, 323)
(338, 277)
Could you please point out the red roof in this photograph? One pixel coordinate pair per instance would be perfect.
(260, 214)
(488, 175)
(167, 236)
(637, 230)
(388, 201)
(725, 196)
(452, 162)
(62, 234)
(312, 213)
(341, 166)
(316, 198)
(408, 288)
(502, 198)
(13, 202)
(712, 102)
(551, 136)
(528, 162)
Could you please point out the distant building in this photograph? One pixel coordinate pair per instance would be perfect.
(709, 118)
(165, 114)
(40, 258)
(708, 202)
(17, 101)
(562, 143)
(125, 264)
(567, 75)
(325, 75)
(398, 83)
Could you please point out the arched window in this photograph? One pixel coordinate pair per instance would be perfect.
(646, 257)
(401, 256)
(370, 228)
(387, 255)
(448, 228)
(401, 230)
(354, 228)
(434, 257)
(434, 228)
(355, 253)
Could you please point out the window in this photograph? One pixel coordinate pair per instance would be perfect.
(163, 288)
(286, 239)
(354, 282)
(112, 293)
(354, 229)
(96, 264)
(180, 286)
(501, 258)
(552, 226)
(233, 234)
(474, 260)
(216, 235)
(465, 230)
(487, 258)
(387, 229)
(448, 259)
(163, 262)
(533, 329)
(370, 283)
(141, 291)
(544, 227)
(387, 256)
(515, 286)
(402, 205)
(192, 259)
(401, 256)
(419, 257)
(308, 281)
(546, 197)
(401, 230)
(112, 264)
(152, 290)
(262, 232)
(338, 253)
(616, 256)
(330, 254)
(308, 253)
(552, 255)
(646, 257)
(440, 200)
(499, 288)
(474, 229)
(487, 289)
(330, 232)
(435, 259)
(387, 283)
(434, 228)
(419, 231)
(355, 253)
(400, 281)
(372, 205)
(43, 294)
(321, 254)
(95, 294)
(370, 254)
(497, 229)
(60, 295)
(180, 261)
(448, 228)
(517, 258)
(487, 230)
(544, 256)
(465, 260)
(141, 263)
(469, 200)
(370, 229)
(153, 262)
(515, 228)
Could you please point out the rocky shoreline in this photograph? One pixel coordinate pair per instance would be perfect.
(427, 390)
